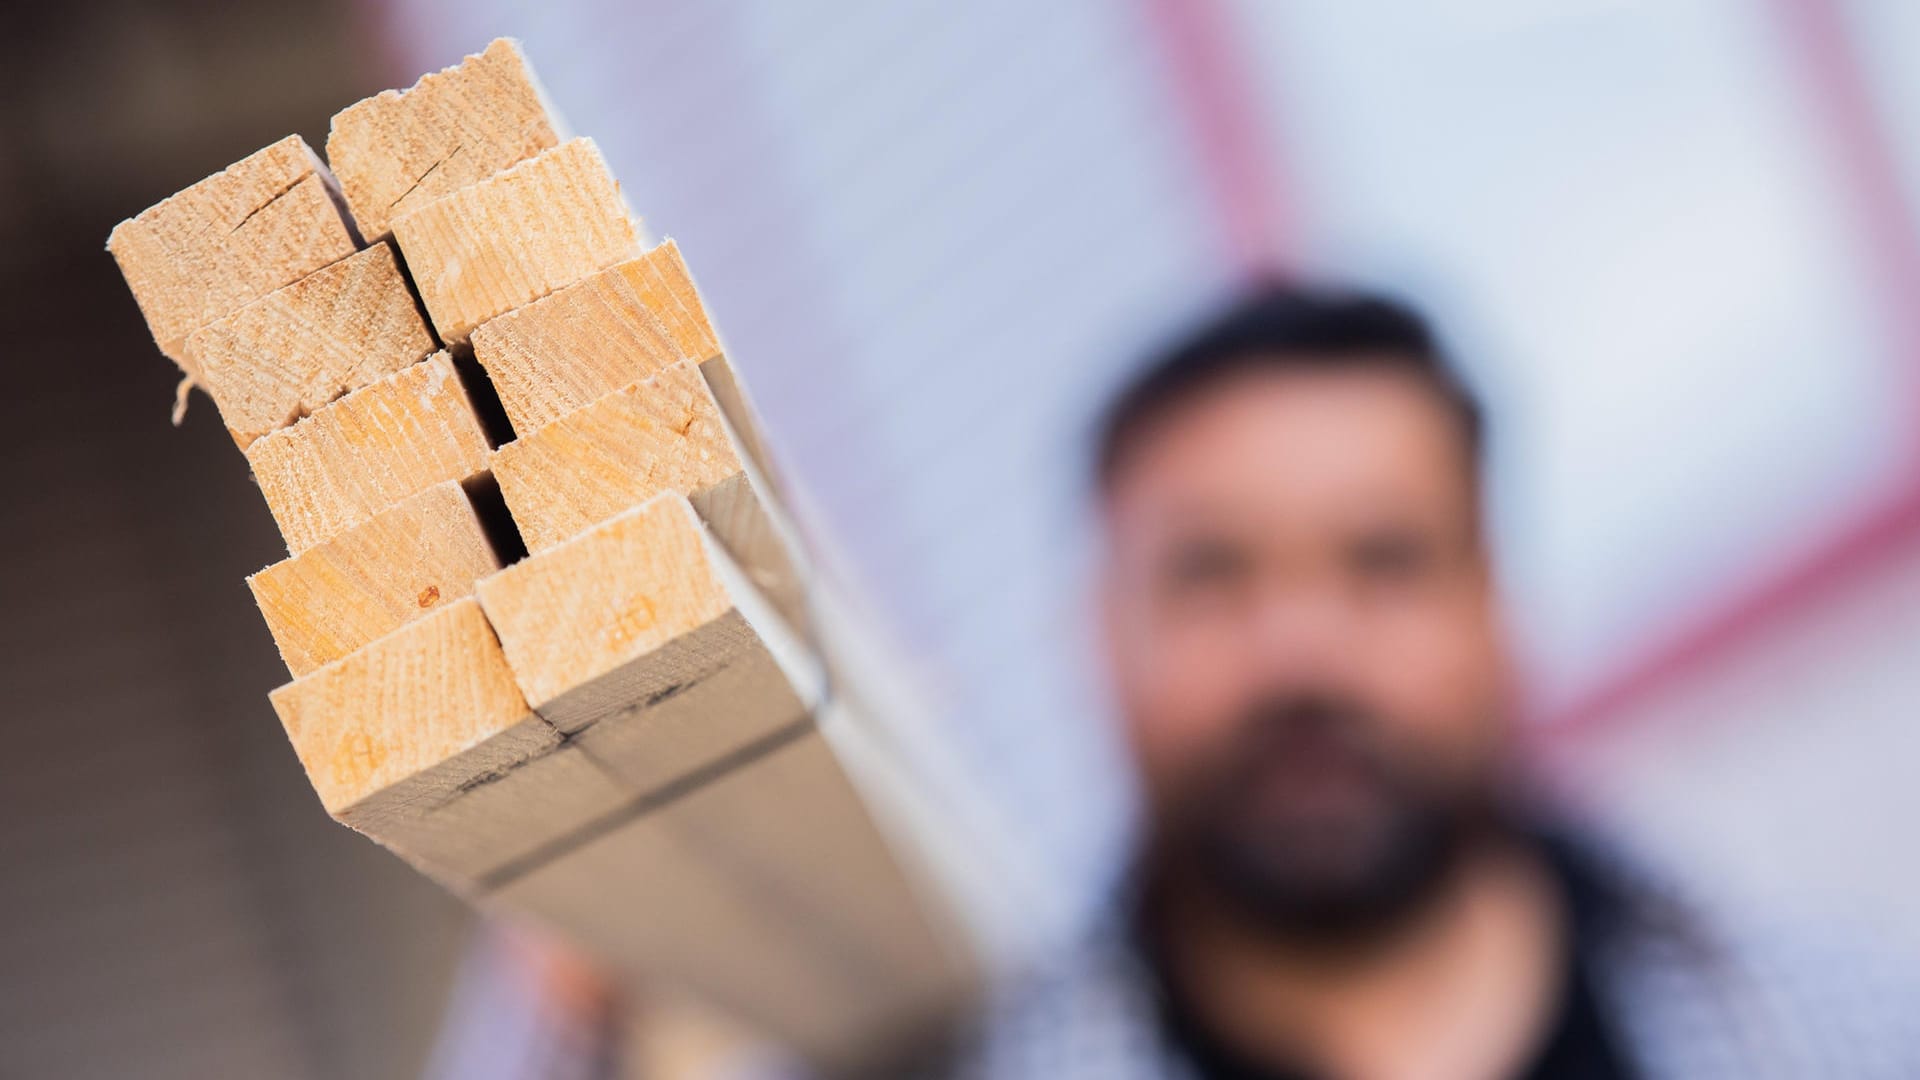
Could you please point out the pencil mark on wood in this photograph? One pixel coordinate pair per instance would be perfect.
(665, 795)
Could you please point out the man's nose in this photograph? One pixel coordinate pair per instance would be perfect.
(1303, 629)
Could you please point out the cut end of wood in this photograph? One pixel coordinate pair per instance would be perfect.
(575, 346)
(359, 455)
(516, 236)
(606, 597)
(412, 559)
(621, 732)
(402, 149)
(661, 434)
(665, 286)
(405, 705)
(300, 347)
(265, 221)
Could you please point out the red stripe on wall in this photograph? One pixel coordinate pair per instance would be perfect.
(1240, 168)
(1887, 531)
(1856, 133)
(1815, 35)
(1215, 95)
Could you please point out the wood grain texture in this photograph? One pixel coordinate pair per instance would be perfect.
(622, 733)
(765, 550)
(514, 237)
(686, 705)
(691, 825)
(363, 453)
(665, 433)
(417, 556)
(265, 221)
(702, 933)
(402, 149)
(568, 350)
(598, 603)
(303, 345)
(422, 741)
(663, 284)
(409, 709)
(770, 894)
(661, 434)
(772, 826)
(496, 819)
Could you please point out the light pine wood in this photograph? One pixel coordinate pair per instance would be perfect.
(771, 826)
(665, 433)
(770, 893)
(704, 932)
(363, 453)
(514, 237)
(599, 335)
(301, 346)
(743, 519)
(661, 434)
(570, 349)
(415, 557)
(404, 707)
(661, 281)
(402, 149)
(627, 733)
(605, 602)
(673, 808)
(265, 221)
(422, 741)
(496, 819)
(742, 417)
(716, 689)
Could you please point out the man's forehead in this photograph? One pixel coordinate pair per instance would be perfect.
(1296, 426)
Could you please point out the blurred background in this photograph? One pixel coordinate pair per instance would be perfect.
(1673, 241)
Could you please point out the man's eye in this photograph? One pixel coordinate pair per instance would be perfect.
(1206, 563)
(1391, 556)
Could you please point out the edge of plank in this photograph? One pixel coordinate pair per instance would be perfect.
(399, 720)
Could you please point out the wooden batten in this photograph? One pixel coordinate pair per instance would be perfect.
(514, 237)
(265, 221)
(586, 341)
(413, 558)
(629, 732)
(701, 933)
(742, 417)
(422, 741)
(769, 893)
(361, 454)
(643, 643)
(662, 434)
(570, 349)
(664, 285)
(646, 619)
(301, 346)
(770, 827)
(402, 149)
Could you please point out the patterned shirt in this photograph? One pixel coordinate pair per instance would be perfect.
(1683, 991)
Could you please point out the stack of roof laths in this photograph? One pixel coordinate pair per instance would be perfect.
(568, 662)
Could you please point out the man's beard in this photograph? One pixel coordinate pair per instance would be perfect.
(1311, 828)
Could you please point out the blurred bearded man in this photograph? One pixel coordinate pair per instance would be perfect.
(1338, 877)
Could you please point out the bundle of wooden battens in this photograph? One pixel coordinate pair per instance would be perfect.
(563, 666)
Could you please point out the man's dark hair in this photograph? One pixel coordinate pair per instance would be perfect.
(1286, 327)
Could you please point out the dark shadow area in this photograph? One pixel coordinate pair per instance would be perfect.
(176, 903)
